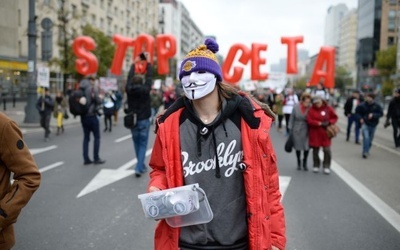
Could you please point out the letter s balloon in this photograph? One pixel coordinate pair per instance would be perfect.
(86, 62)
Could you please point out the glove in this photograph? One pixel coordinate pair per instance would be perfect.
(324, 124)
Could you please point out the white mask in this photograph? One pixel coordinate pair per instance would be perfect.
(197, 85)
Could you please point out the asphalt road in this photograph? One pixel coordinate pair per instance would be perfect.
(96, 206)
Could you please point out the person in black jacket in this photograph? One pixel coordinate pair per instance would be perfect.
(393, 115)
(45, 105)
(369, 113)
(350, 112)
(90, 120)
(137, 90)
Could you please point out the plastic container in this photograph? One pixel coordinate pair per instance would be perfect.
(170, 202)
(182, 206)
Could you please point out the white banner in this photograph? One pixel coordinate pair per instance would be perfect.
(108, 83)
(43, 77)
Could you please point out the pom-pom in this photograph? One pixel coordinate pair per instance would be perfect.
(212, 45)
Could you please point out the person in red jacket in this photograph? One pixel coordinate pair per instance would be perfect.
(219, 138)
(319, 117)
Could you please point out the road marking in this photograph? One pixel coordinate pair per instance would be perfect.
(108, 176)
(374, 201)
(54, 165)
(386, 148)
(283, 184)
(35, 151)
(123, 138)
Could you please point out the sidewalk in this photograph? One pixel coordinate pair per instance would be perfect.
(17, 114)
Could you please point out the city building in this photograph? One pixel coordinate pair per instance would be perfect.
(175, 19)
(125, 17)
(332, 24)
(348, 43)
(378, 26)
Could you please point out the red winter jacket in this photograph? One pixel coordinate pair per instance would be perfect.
(266, 222)
(317, 136)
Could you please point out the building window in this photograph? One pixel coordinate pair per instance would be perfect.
(93, 19)
(391, 25)
(390, 41)
(392, 14)
(73, 10)
(19, 48)
(393, 2)
(102, 4)
(101, 23)
(47, 2)
(19, 17)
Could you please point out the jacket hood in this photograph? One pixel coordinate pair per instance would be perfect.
(84, 84)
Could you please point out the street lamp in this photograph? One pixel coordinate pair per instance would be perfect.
(31, 114)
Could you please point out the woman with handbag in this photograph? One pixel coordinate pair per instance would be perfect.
(319, 117)
(299, 129)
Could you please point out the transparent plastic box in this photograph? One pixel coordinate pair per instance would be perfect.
(181, 206)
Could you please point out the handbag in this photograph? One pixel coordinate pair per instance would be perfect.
(66, 116)
(289, 143)
(130, 117)
(130, 120)
(332, 130)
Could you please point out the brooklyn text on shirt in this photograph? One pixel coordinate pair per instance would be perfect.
(226, 157)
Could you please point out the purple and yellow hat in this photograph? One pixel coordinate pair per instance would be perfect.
(202, 58)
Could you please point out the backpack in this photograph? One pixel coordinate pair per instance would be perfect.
(75, 107)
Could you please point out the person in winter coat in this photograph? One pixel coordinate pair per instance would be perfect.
(59, 111)
(90, 121)
(278, 109)
(369, 113)
(118, 104)
(17, 163)
(319, 117)
(108, 110)
(393, 116)
(137, 91)
(350, 112)
(299, 129)
(155, 102)
(220, 139)
(45, 106)
(289, 102)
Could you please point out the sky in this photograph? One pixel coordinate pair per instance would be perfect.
(263, 21)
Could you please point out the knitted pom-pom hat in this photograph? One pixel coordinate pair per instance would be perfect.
(202, 58)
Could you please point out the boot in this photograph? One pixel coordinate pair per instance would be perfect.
(62, 128)
(305, 165)
(298, 164)
(58, 130)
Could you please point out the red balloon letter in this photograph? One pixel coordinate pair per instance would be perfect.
(122, 44)
(144, 42)
(86, 62)
(256, 61)
(326, 55)
(165, 52)
(237, 71)
(291, 65)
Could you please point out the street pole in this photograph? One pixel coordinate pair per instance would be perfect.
(31, 113)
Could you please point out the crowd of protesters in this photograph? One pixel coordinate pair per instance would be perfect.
(308, 114)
